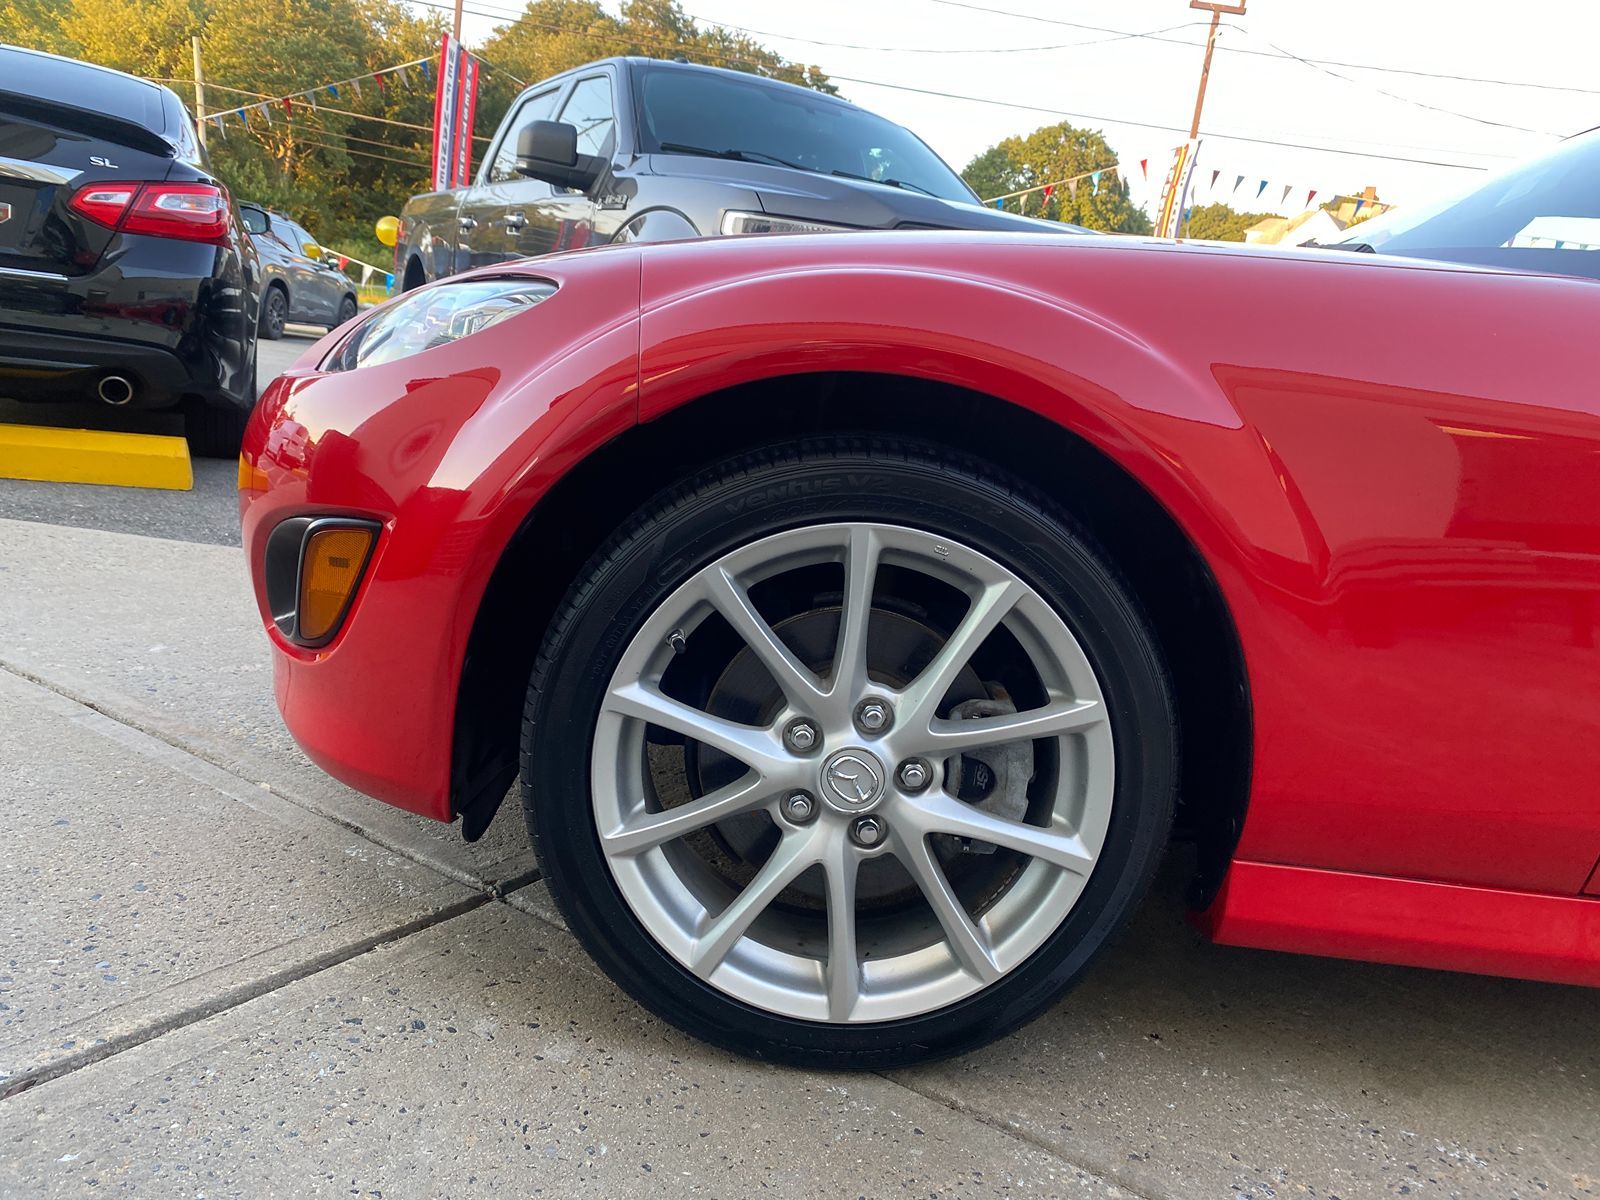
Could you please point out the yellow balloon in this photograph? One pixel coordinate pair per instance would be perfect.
(388, 230)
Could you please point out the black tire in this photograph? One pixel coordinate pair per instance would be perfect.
(347, 311)
(274, 313)
(217, 431)
(807, 483)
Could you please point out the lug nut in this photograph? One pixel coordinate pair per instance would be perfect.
(799, 807)
(868, 831)
(801, 736)
(914, 775)
(872, 716)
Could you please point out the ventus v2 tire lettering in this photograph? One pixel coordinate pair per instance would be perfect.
(849, 754)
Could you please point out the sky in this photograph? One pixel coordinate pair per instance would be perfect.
(1022, 60)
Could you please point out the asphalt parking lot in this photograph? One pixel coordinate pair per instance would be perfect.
(225, 974)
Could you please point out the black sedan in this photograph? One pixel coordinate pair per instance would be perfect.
(125, 273)
(300, 281)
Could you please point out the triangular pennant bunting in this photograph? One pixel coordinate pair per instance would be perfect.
(1261, 189)
(1237, 182)
(1284, 199)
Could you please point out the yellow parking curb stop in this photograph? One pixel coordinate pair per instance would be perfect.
(93, 456)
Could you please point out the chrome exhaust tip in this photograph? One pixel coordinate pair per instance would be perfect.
(116, 390)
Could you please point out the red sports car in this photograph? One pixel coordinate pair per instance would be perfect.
(867, 613)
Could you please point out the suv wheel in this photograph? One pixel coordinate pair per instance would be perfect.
(274, 313)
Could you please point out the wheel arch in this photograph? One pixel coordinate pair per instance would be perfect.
(1192, 621)
(416, 274)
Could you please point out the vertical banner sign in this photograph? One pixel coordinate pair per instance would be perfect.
(1169, 217)
(445, 102)
(466, 105)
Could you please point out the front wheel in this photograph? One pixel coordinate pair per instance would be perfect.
(848, 754)
(347, 311)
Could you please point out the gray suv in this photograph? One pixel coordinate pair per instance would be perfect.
(300, 281)
(639, 149)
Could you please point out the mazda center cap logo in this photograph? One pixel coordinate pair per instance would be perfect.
(852, 780)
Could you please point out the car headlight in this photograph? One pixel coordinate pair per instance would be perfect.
(751, 222)
(435, 317)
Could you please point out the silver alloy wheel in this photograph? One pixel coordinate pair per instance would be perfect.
(917, 959)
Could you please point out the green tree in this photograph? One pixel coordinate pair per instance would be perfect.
(38, 25)
(1060, 152)
(552, 36)
(1219, 223)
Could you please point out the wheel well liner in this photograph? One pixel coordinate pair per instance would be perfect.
(1185, 605)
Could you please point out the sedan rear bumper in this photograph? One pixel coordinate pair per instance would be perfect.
(37, 366)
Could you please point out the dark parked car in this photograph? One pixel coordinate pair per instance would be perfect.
(638, 149)
(300, 281)
(1542, 214)
(124, 271)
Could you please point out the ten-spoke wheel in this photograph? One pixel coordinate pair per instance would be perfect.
(860, 785)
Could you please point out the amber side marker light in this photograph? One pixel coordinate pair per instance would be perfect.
(330, 569)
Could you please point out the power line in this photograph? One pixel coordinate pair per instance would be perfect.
(300, 141)
(1229, 137)
(792, 37)
(1155, 36)
(317, 107)
(1449, 112)
(685, 48)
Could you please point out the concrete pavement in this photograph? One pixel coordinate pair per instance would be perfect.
(349, 1000)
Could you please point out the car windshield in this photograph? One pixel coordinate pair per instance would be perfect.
(1540, 215)
(686, 112)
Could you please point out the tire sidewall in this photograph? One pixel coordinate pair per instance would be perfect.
(741, 503)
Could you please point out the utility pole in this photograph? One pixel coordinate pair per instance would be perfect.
(1216, 10)
(455, 29)
(199, 91)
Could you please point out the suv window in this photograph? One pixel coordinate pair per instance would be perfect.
(535, 108)
(589, 109)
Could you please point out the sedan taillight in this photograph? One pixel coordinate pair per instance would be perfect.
(195, 212)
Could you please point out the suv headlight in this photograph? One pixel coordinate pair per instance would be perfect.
(752, 222)
(435, 317)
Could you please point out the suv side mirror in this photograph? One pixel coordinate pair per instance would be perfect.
(548, 150)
